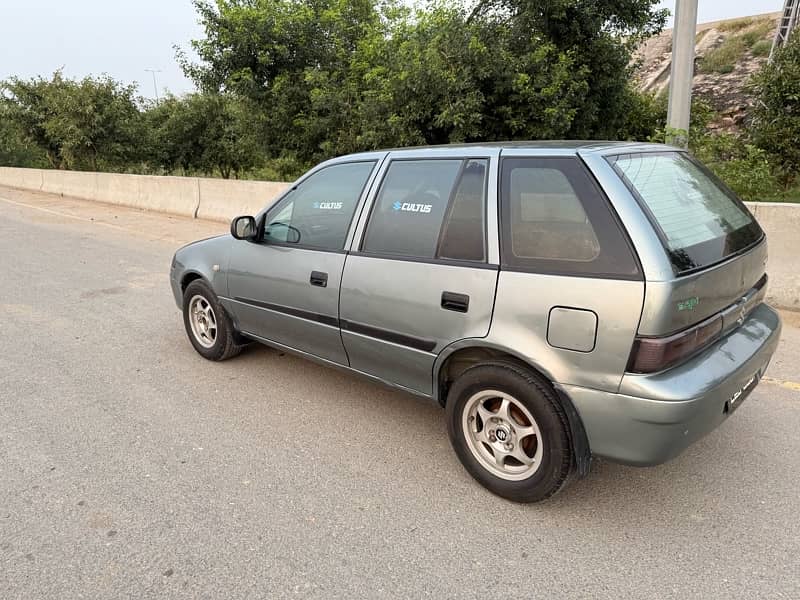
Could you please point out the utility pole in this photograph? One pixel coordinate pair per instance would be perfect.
(155, 87)
(681, 73)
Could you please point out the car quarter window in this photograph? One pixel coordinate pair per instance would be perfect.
(317, 213)
(555, 219)
(432, 208)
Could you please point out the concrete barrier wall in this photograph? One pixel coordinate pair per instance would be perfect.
(781, 221)
(205, 198)
(29, 179)
(221, 200)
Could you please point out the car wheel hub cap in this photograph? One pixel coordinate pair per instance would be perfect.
(203, 321)
(502, 435)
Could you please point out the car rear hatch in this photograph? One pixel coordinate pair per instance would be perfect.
(716, 248)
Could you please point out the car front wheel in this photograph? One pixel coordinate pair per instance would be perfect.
(508, 429)
(207, 324)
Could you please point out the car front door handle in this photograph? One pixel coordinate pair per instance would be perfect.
(319, 279)
(456, 302)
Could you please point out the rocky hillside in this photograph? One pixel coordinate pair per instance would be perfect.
(727, 54)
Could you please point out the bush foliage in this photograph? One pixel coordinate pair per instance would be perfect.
(776, 115)
(761, 48)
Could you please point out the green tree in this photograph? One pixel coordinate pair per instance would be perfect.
(204, 133)
(776, 114)
(429, 77)
(454, 80)
(275, 53)
(93, 123)
(249, 44)
(598, 36)
(336, 76)
(15, 150)
(29, 106)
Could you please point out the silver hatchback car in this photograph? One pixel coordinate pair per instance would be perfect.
(561, 300)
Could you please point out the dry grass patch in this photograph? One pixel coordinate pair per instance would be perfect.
(724, 57)
(746, 34)
(736, 25)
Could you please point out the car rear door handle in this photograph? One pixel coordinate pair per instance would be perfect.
(319, 278)
(456, 302)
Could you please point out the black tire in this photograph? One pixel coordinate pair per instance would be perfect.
(536, 395)
(224, 344)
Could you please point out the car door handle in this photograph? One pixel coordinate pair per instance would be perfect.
(319, 278)
(456, 302)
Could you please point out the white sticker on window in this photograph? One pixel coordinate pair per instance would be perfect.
(408, 207)
(328, 205)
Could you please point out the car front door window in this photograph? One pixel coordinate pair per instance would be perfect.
(318, 211)
(277, 230)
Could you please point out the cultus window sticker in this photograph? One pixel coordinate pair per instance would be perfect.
(408, 207)
(328, 205)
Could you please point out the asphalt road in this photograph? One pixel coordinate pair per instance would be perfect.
(132, 468)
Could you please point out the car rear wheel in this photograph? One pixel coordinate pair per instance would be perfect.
(207, 324)
(510, 432)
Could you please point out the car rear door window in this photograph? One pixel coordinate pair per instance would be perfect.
(556, 220)
(317, 213)
(548, 220)
(430, 209)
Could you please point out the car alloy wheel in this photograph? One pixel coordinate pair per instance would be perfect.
(502, 435)
(203, 321)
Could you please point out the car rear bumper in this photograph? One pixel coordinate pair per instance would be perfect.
(655, 417)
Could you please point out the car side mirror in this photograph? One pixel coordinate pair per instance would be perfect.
(243, 228)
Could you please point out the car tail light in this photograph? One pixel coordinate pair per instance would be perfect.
(651, 354)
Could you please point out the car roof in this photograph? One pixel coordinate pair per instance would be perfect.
(562, 146)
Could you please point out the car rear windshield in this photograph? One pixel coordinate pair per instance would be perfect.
(699, 220)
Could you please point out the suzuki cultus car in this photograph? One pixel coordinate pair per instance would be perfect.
(562, 301)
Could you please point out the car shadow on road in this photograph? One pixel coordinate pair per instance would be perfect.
(694, 479)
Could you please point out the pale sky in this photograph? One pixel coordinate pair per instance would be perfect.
(714, 10)
(123, 38)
